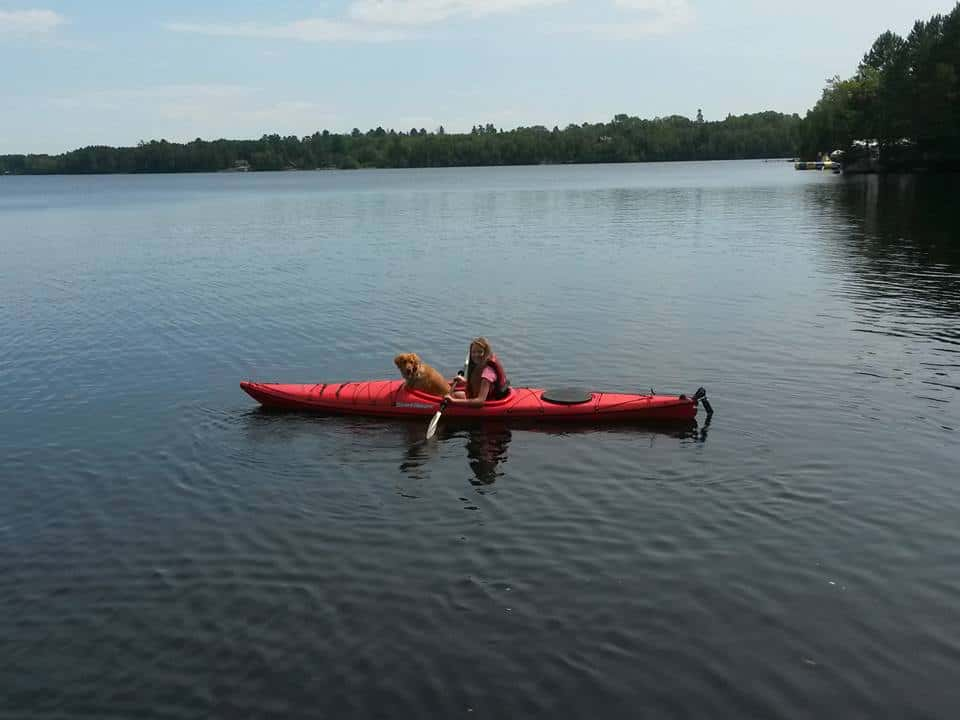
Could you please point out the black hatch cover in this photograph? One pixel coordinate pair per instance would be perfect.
(567, 396)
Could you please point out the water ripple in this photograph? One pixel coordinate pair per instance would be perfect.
(172, 551)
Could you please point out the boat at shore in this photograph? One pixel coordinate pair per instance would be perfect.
(818, 165)
(391, 398)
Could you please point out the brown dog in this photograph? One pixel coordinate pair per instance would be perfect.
(420, 376)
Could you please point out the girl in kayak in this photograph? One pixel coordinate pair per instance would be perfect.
(486, 378)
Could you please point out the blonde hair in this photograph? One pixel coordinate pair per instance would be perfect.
(483, 344)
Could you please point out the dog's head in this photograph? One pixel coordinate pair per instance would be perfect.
(409, 364)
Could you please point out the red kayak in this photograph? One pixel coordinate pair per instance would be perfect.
(389, 398)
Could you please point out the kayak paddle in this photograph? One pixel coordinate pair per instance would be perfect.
(432, 427)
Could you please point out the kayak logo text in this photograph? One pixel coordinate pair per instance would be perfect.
(419, 406)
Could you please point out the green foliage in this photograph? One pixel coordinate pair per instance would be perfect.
(905, 95)
(624, 139)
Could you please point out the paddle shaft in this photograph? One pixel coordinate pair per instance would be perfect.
(434, 421)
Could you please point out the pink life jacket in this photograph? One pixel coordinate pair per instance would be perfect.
(500, 389)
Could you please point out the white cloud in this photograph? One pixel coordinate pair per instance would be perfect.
(311, 30)
(661, 16)
(642, 18)
(367, 21)
(423, 12)
(29, 22)
(164, 96)
(620, 31)
(183, 112)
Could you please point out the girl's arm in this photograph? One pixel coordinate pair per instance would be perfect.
(472, 402)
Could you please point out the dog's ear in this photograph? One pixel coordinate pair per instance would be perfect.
(398, 360)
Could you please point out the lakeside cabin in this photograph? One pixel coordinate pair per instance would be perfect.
(826, 162)
(238, 166)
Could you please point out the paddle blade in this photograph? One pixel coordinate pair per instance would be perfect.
(434, 421)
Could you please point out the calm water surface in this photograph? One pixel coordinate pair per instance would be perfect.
(168, 550)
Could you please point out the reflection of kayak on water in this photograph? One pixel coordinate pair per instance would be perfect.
(486, 440)
(679, 429)
(390, 398)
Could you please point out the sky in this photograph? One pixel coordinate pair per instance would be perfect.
(113, 72)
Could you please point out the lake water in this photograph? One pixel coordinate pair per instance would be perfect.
(169, 550)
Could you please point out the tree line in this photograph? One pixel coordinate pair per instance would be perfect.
(905, 96)
(623, 139)
(901, 108)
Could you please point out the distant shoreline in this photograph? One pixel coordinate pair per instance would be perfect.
(624, 139)
(361, 169)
